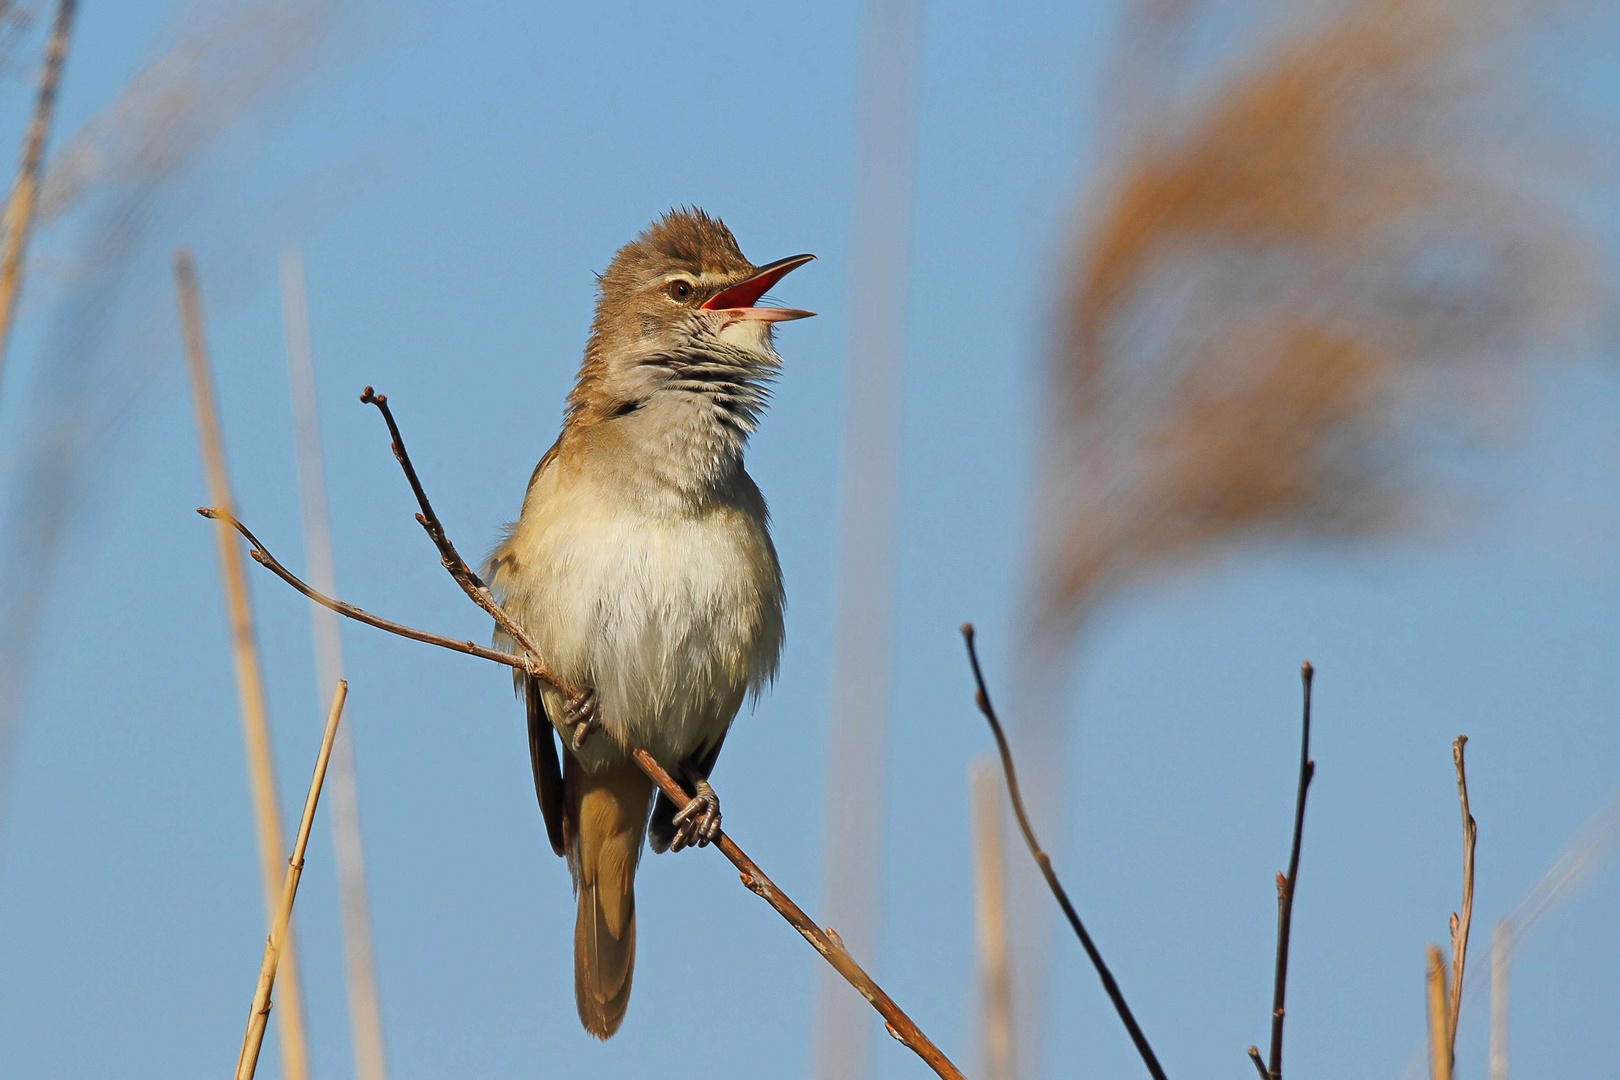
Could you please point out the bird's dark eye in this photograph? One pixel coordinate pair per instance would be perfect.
(679, 290)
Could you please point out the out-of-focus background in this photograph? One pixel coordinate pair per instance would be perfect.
(1226, 336)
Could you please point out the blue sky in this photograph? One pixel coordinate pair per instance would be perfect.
(453, 177)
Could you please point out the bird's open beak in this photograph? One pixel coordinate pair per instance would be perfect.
(739, 300)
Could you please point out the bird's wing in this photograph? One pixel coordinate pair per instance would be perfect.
(548, 780)
(661, 829)
(704, 764)
(540, 466)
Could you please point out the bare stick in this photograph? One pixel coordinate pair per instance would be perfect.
(825, 942)
(262, 556)
(1439, 1044)
(354, 907)
(248, 1060)
(449, 557)
(19, 220)
(1109, 985)
(1285, 883)
(1460, 921)
(990, 907)
(245, 654)
(1260, 1066)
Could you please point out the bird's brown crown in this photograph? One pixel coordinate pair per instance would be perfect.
(682, 240)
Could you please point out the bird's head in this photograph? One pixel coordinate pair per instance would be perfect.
(677, 310)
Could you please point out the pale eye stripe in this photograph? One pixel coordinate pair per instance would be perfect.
(698, 279)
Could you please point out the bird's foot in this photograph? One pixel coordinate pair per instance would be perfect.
(698, 822)
(581, 716)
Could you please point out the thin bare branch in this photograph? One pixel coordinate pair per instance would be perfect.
(825, 942)
(1111, 987)
(1285, 882)
(1460, 921)
(1260, 1066)
(248, 1060)
(449, 557)
(19, 220)
(262, 556)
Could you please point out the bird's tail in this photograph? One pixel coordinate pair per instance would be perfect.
(610, 815)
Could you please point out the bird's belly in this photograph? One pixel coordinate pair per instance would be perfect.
(671, 622)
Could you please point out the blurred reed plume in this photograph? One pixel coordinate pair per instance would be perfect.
(186, 97)
(1291, 295)
(19, 217)
(13, 24)
(1283, 298)
(101, 345)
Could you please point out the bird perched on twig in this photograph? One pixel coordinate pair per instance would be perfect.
(643, 570)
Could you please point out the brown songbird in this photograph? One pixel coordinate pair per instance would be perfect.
(642, 568)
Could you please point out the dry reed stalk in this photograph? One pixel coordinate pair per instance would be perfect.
(259, 1015)
(365, 1012)
(1574, 863)
(868, 520)
(990, 910)
(19, 218)
(103, 342)
(1567, 873)
(1104, 975)
(1463, 919)
(526, 658)
(1439, 1021)
(245, 656)
(1501, 958)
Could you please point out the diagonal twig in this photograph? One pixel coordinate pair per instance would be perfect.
(1285, 883)
(1111, 987)
(449, 557)
(1460, 921)
(825, 942)
(248, 1060)
(262, 556)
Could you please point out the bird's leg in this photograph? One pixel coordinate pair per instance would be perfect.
(581, 716)
(697, 824)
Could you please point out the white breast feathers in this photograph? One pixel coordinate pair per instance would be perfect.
(673, 614)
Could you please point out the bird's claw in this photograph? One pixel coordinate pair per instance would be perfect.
(697, 824)
(581, 716)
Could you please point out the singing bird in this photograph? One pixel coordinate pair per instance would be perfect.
(642, 569)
